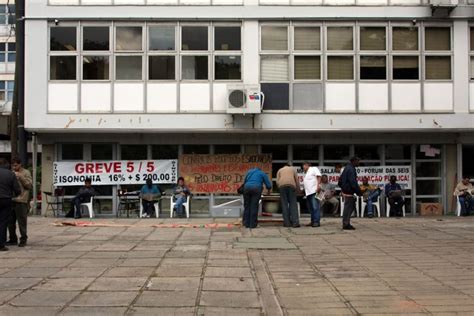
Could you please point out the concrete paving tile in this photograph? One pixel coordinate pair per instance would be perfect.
(179, 271)
(217, 311)
(94, 263)
(28, 272)
(320, 311)
(49, 263)
(162, 311)
(7, 295)
(18, 283)
(8, 310)
(129, 271)
(167, 299)
(140, 262)
(113, 284)
(175, 284)
(228, 272)
(64, 284)
(43, 298)
(228, 284)
(79, 272)
(110, 298)
(93, 311)
(229, 299)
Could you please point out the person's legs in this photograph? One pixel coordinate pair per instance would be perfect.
(309, 206)
(284, 200)
(246, 215)
(12, 237)
(21, 210)
(179, 205)
(255, 196)
(294, 218)
(77, 206)
(313, 205)
(370, 200)
(334, 206)
(5, 210)
(349, 206)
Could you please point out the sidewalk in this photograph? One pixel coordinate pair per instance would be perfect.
(387, 266)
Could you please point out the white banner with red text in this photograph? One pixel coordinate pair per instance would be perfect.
(68, 173)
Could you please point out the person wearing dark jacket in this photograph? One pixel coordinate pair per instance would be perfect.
(9, 188)
(349, 186)
(83, 196)
(253, 186)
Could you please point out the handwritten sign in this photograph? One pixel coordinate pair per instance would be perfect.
(220, 173)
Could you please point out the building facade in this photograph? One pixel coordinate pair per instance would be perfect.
(149, 79)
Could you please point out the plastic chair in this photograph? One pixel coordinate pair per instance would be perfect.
(356, 206)
(157, 208)
(89, 206)
(186, 206)
(459, 206)
(364, 204)
(388, 208)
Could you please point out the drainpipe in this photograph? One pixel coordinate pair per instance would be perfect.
(20, 82)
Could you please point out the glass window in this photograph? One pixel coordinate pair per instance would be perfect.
(194, 38)
(11, 14)
(307, 67)
(279, 152)
(306, 152)
(102, 151)
(133, 152)
(164, 151)
(472, 67)
(307, 38)
(428, 169)
(336, 152)
(421, 154)
(11, 57)
(128, 67)
(367, 152)
(96, 38)
(397, 152)
(277, 96)
(95, 68)
(226, 149)
(62, 68)
(340, 68)
(472, 38)
(274, 68)
(373, 68)
(438, 67)
(340, 38)
(405, 68)
(428, 187)
(72, 151)
(405, 38)
(161, 68)
(274, 37)
(128, 38)
(162, 38)
(372, 38)
(196, 149)
(194, 67)
(227, 38)
(227, 68)
(63, 38)
(437, 38)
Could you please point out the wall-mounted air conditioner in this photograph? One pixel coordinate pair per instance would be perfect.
(444, 3)
(244, 99)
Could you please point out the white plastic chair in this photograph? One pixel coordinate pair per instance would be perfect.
(364, 204)
(186, 206)
(388, 208)
(157, 208)
(459, 207)
(89, 206)
(342, 205)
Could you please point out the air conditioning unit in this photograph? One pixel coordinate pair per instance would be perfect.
(244, 99)
(444, 3)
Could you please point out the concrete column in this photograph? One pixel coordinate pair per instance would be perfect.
(47, 159)
(461, 66)
(451, 176)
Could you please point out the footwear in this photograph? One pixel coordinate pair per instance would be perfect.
(348, 227)
(296, 226)
(22, 244)
(309, 225)
(371, 215)
(286, 225)
(12, 242)
(316, 225)
(4, 249)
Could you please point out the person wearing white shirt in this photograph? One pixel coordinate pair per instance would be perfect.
(312, 178)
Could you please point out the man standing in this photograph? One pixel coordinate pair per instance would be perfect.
(9, 188)
(349, 187)
(20, 204)
(328, 191)
(287, 181)
(312, 177)
(464, 191)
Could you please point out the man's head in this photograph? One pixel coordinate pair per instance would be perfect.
(306, 166)
(365, 181)
(149, 182)
(355, 161)
(181, 181)
(16, 164)
(337, 168)
(393, 179)
(88, 182)
(324, 178)
(466, 179)
(4, 163)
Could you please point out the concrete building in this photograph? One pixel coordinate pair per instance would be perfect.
(149, 79)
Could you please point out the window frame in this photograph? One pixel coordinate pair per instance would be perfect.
(341, 53)
(183, 53)
(405, 53)
(175, 53)
(436, 53)
(105, 53)
(218, 53)
(65, 53)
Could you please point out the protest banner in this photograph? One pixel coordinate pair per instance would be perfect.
(69, 173)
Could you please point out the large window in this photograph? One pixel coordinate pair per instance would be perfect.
(194, 38)
(194, 67)
(63, 51)
(6, 90)
(405, 50)
(63, 39)
(437, 53)
(161, 67)
(128, 38)
(7, 14)
(95, 68)
(162, 38)
(95, 38)
(128, 67)
(340, 68)
(227, 50)
(340, 38)
(7, 52)
(62, 68)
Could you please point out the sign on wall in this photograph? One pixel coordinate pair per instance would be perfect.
(377, 175)
(220, 173)
(67, 173)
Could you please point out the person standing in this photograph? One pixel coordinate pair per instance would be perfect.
(254, 181)
(312, 178)
(9, 188)
(349, 187)
(20, 205)
(288, 183)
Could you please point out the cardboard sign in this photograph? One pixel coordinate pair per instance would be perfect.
(68, 173)
(431, 209)
(220, 173)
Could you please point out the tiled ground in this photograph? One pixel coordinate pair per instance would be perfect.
(386, 266)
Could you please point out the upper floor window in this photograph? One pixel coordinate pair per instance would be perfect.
(437, 53)
(63, 38)
(95, 38)
(7, 52)
(405, 38)
(274, 38)
(7, 14)
(6, 90)
(340, 38)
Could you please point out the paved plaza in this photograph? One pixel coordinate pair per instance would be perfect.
(387, 266)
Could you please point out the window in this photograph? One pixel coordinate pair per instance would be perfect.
(437, 67)
(7, 14)
(373, 68)
(96, 38)
(196, 149)
(372, 38)
(7, 52)
(95, 68)
(405, 38)
(340, 38)
(226, 149)
(128, 38)
(162, 38)
(161, 67)
(274, 37)
(194, 67)
(227, 68)
(274, 68)
(72, 152)
(438, 38)
(304, 153)
(194, 38)
(6, 90)
(472, 38)
(102, 151)
(340, 67)
(164, 151)
(128, 67)
(307, 38)
(405, 68)
(307, 67)
(133, 152)
(227, 38)
(62, 68)
(63, 39)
